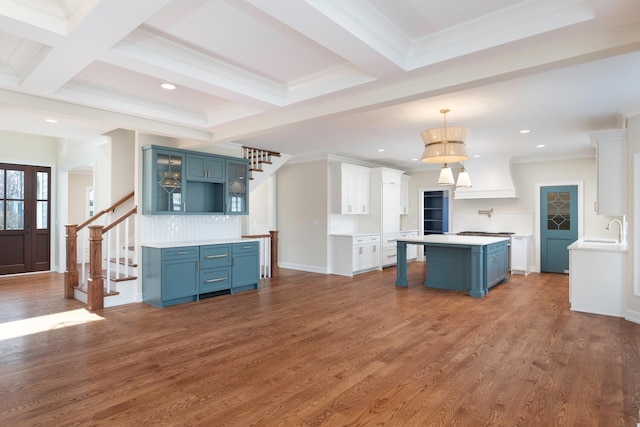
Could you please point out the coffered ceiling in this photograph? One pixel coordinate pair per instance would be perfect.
(317, 77)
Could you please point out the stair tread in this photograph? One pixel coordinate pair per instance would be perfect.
(130, 262)
(106, 294)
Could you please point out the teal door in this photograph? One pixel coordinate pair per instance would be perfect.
(558, 226)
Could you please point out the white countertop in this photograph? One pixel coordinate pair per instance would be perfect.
(163, 245)
(594, 245)
(454, 239)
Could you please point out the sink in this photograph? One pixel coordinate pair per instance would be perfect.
(609, 241)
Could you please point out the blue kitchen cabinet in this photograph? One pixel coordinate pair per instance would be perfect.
(182, 182)
(237, 187)
(215, 268)
(206, 168)
(163, 183)
(497, 260)
(186, 273)
(170, 275)
(245, 271)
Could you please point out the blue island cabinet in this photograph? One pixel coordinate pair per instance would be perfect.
(173, 275)
(459, 263)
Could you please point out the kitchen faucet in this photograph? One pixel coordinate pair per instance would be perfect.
(619, 228)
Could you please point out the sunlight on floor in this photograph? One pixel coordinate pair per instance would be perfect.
(23, 327)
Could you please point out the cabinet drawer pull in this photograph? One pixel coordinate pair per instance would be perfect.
(216, 256)
(215, 280)
(247, 247)
(182, 253)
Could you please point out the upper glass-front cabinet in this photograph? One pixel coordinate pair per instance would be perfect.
(165, 187)
(237, 187)
(187, 182)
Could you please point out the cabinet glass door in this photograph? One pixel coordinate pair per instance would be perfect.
(169, 183)
(237, 187)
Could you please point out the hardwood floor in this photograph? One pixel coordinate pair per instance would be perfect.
(310, 349)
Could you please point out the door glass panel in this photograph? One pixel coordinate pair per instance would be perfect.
(42, 192)
(558, 210)
(15, 215)
(15, 185)
(1, 214)
(42, 200)
(2, 186)
(42, 215)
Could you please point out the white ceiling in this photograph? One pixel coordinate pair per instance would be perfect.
(317, 77)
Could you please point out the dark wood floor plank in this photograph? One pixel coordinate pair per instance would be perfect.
(314, 350)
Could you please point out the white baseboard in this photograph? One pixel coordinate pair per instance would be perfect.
(633, 316)
(301, 267)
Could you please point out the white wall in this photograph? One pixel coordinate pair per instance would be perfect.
(302, 215)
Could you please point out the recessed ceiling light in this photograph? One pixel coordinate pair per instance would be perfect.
(525, 131)
(414, 159)
(540, 146)
(168, 86)
(51, 120)
(380, 150)
(475, 156)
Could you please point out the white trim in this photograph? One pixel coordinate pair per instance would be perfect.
(536, 214)
(632, 316)
(301, 267)
(636, 224)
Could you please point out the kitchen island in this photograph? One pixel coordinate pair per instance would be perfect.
(461, 263)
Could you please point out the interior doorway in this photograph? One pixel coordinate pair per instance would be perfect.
(25, 212)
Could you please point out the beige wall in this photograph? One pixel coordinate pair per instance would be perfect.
(302, 212)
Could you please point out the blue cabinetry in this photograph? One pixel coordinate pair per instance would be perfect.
(170, 275)
(246, 266)
(207, 168)
(178, 182)
(186, 273)
(215, 268)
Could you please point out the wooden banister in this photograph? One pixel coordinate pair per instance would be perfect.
(95, 284)
(119, 220)
(111, 208)
(273, 250)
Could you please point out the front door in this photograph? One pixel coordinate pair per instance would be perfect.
(558, 226)
(24, 218)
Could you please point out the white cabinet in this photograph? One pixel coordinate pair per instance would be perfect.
(404, 195)
(354, 254)
(389, 247)
(349, 189)
(520, 253)
(390, 208)
(611, 156)
(596, 278)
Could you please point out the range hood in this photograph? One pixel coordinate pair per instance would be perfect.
(491, 179)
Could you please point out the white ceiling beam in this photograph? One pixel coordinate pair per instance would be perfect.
(101, 28)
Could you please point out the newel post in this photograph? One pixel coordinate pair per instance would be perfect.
(95, 287)
(275, 270)
(71, 270)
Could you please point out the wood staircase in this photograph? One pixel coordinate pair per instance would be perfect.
(101, 282)
(257, 159)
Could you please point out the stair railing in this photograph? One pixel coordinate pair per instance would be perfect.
(268, 253)
(71, 271)
(257, 157)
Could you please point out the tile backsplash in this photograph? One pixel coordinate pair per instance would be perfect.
(175, 228)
